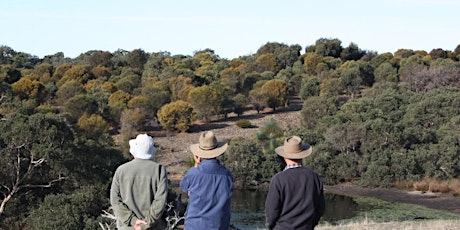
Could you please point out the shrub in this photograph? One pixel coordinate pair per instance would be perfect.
(243, 123)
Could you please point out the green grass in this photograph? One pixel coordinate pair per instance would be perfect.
(384, 212)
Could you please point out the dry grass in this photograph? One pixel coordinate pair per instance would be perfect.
(451, 186)
(404, 225)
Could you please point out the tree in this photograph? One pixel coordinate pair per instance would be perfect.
(328, 47)
(267, 62)
(350, 81)
(258, 99)
(176, 84)
(386, 72)
(311, 61)
(330, 87)
(32, 150)
(438, 53)
(9, 74)
(240, 103)
(205, 101)
(178, 115)
(101, 72)
(118, 101)
(77, 210)
(68, 90)
(131, 121)
(101, 58)
(93, 127)
(310, 87)
(78, 73)
(316, 108)
(136, 59)
(28, 89)
(352, 52)
(78, 105)
(244, 158)
(276, 91)
(43, 73)
(157, 93)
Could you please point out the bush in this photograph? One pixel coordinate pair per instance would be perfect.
(243, 123)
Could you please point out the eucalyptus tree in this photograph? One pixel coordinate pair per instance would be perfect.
(386, 72)
(328, 47)
(177, 115)
(352, 52)
(277, 93)
(205, 101)
(33, 151)
(309, 87)
(136, 59)
(9, 74)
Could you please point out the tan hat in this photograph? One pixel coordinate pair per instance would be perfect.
(293, 148)
(208, 146)
(142, 147)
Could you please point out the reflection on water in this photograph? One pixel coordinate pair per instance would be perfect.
(248, 209)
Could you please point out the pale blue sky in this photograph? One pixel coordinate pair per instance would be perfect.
(230, 28)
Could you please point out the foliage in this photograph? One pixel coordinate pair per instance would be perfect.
(243, 123)
(205, 102)
(244, 159)
(33, 151)
(28, 89)
(270, 136)
(276, 91)
(78, 210)
(310, 87)
(178, 115)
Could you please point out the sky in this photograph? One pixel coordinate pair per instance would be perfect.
(231, 28)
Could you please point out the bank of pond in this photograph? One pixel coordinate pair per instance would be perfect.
(248, 210)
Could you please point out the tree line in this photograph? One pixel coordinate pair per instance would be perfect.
(375, 119)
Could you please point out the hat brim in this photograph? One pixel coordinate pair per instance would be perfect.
(219, 150)
(306, 151)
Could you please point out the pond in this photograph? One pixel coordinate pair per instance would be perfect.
(248, 209)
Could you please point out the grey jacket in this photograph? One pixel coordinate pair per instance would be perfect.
(139, 191)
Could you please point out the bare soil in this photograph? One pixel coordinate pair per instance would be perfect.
(174, 155)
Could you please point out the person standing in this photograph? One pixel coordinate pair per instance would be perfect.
(139, 188)
(209, 186)
(295, 199)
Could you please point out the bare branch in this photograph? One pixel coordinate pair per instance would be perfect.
(50, 183)
(108, 215)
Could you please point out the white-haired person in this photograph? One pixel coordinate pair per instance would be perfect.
(139, 188)
(209, 186)
(295, 198)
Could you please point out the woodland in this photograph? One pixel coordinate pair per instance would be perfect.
(377, 120)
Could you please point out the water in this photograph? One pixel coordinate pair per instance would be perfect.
(248, 209)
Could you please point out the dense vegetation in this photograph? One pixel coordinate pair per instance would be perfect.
(372, 118)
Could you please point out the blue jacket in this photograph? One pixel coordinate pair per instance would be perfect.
(210, 188)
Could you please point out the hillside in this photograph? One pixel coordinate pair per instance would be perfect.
(174, 155)
(173, 146)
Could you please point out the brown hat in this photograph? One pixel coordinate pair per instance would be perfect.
(208, 146)
(293, 148)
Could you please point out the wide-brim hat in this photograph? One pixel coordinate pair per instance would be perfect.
(208, 146)
(294, 148)
(142, 147)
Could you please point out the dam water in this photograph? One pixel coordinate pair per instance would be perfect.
(248, 209)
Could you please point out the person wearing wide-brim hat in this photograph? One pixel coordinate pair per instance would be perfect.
(139, 188)
(295, 198)
(209, 186)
